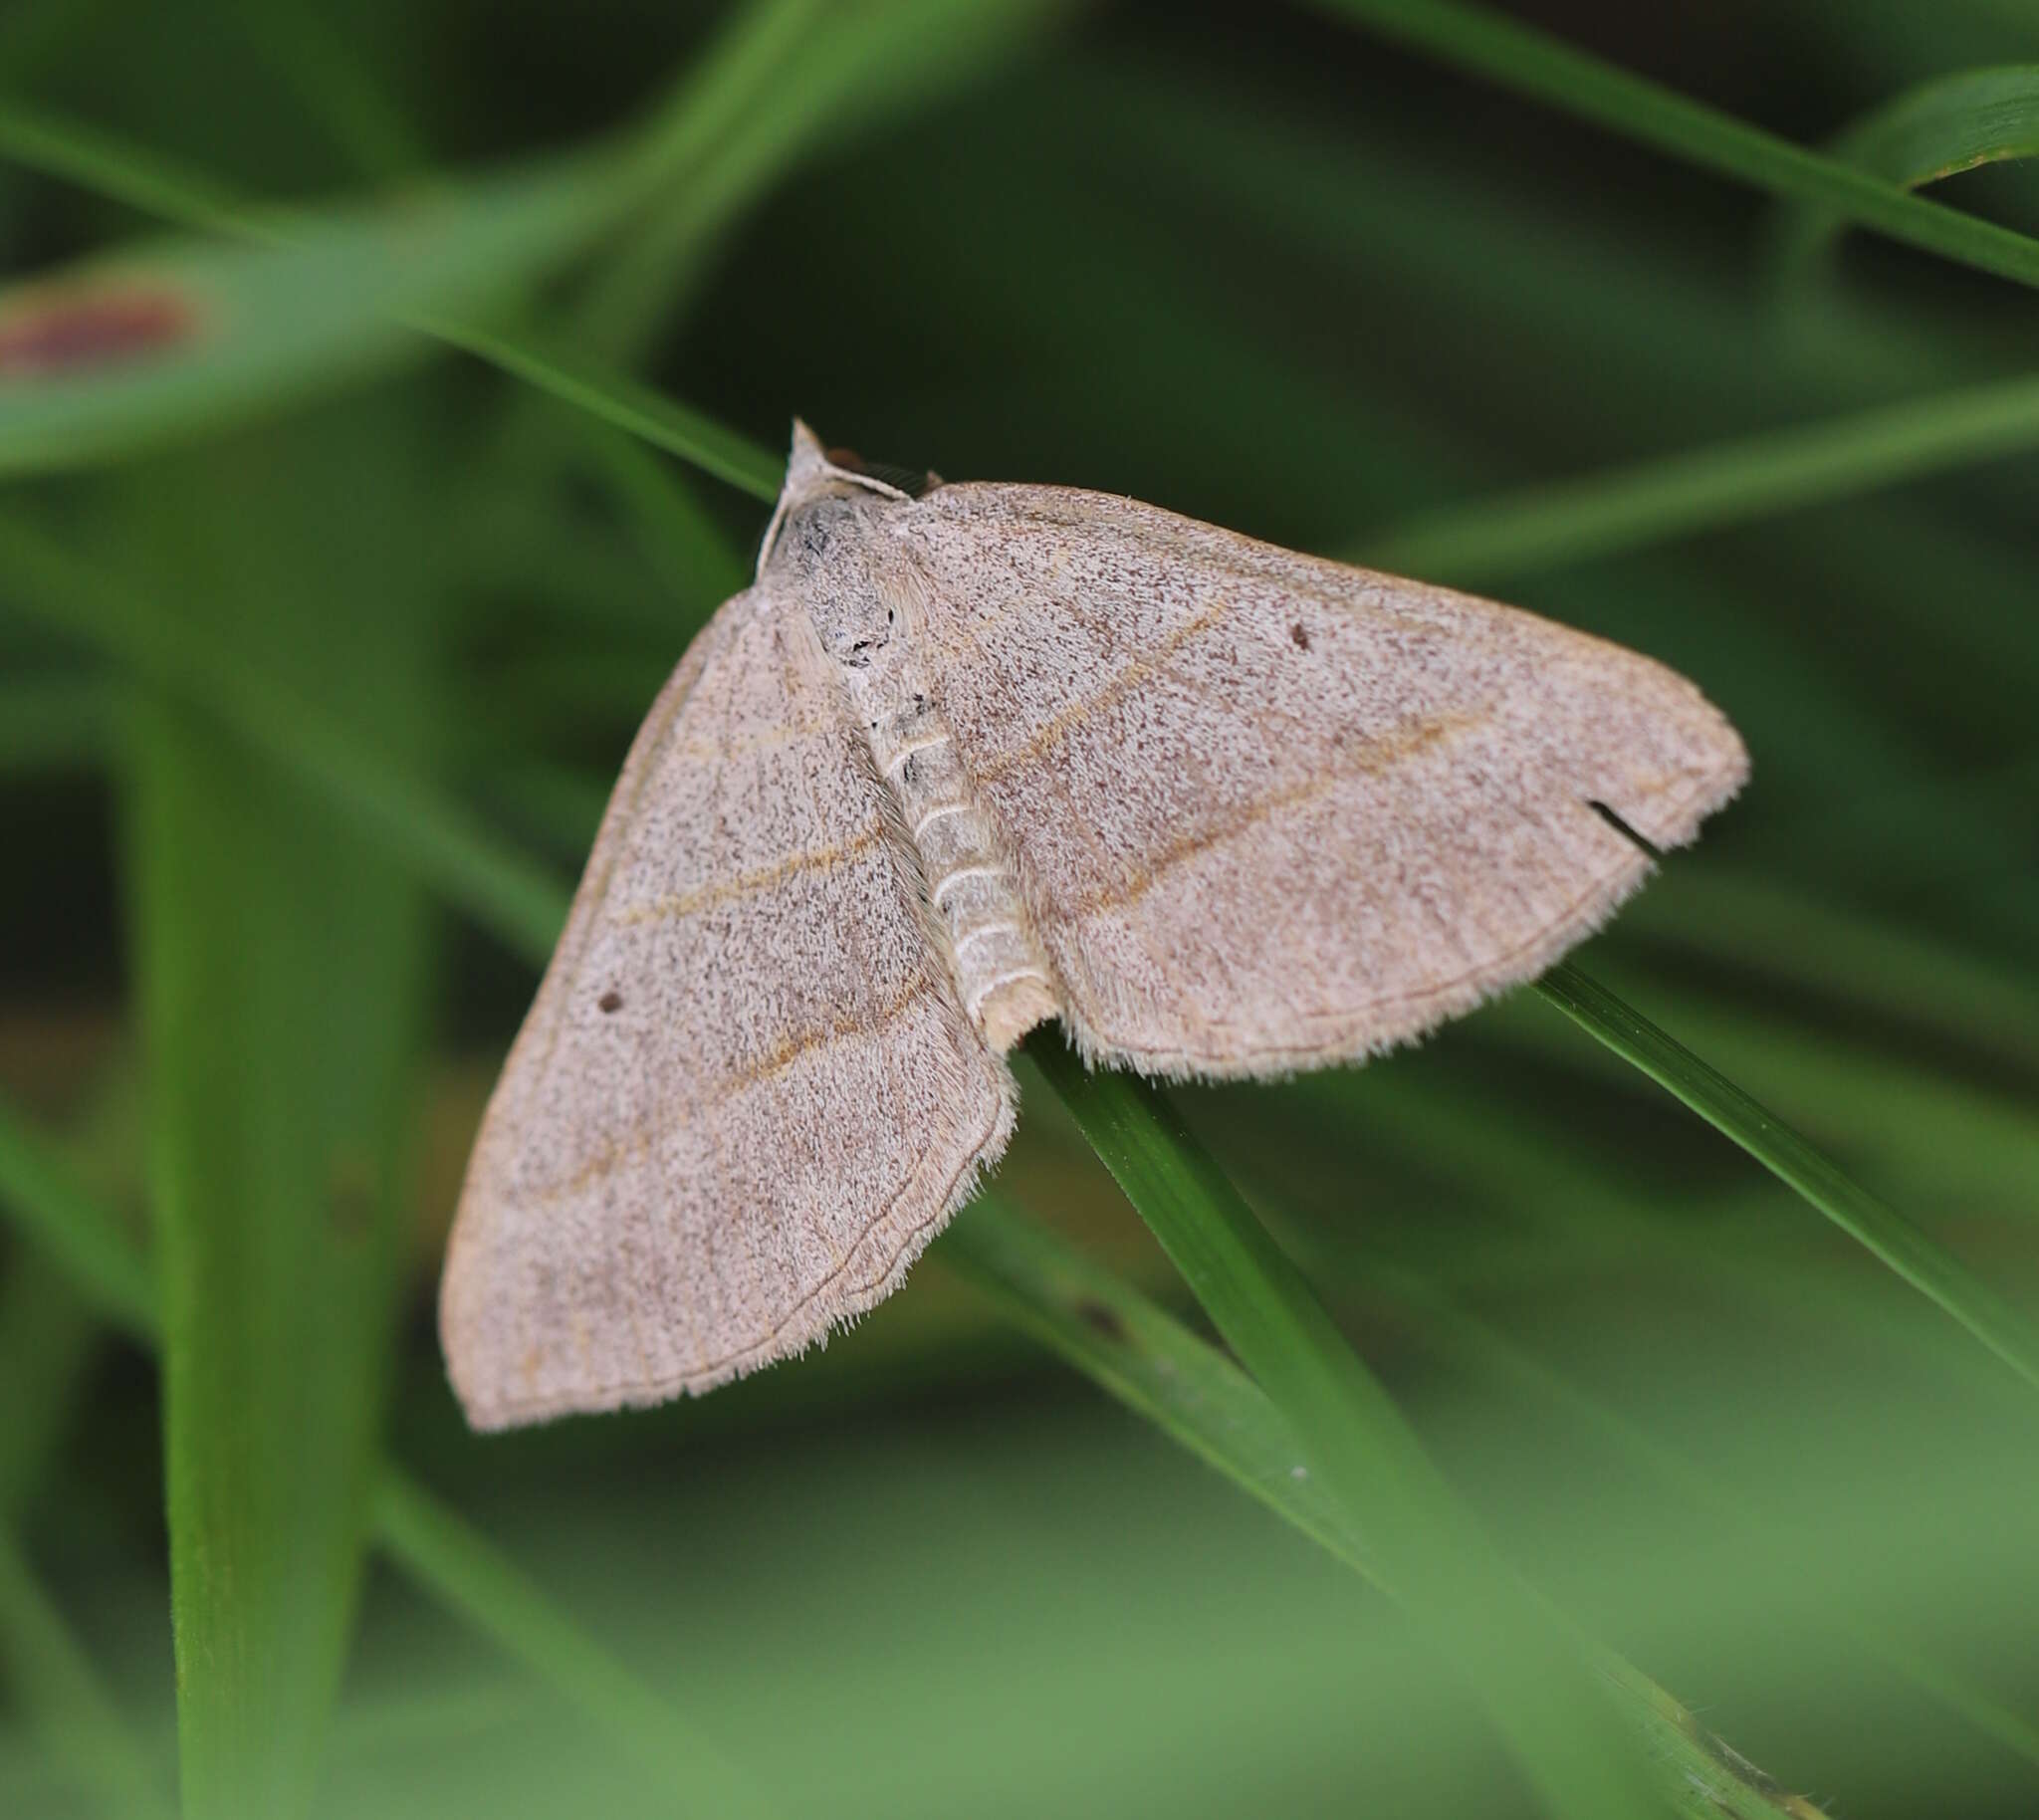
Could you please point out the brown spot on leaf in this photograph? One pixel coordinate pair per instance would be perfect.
(350, 1197)
(1100, 1319)
(63, 330)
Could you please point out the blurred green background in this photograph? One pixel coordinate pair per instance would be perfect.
(387, 392)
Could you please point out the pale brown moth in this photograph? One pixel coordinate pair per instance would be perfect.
(961, 762)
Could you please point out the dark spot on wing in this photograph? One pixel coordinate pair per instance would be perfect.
(61, 329)
(610, 1000)
(1301, 637)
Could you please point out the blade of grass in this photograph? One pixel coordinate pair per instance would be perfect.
(854, 66)
(1521, 58)
(615, 399)
(321, 296)
(1506, 1366)
(1935, 131)
(49, 1337)
(1165, 1375)
(53, 722)
(452, 1561)
(54, 1682)
(1105, 1327)
(1698, 489)
(508, 893)
(82, 1238)
(1853, 956)
(310, 304)
(1430, 1552)
(1476, 1139)
(1886, 1234)
(87, 1243)
(280, 968)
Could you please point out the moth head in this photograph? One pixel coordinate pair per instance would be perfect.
(815, 473)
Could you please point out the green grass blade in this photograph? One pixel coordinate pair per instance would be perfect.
(1430, 1552)
(853, 67)
(323, 298)
(49, 1337)
(1886, 1234)
(108, 165)
(53, 722)
(279, 963)
(454, 1563)
(1706, 489)
(1520, 57)
(508, 893)
(55, 1684)
(684, 546)
(1507, 1367)
(97, 417)
(239, 330)
(615, 399)
(1149, 1361)
(82, 1238)
(1953, 123)
(1167, 1375)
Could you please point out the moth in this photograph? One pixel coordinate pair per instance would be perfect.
(960, 763)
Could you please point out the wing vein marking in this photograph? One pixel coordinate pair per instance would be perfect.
(717, 1366)
(1149, 663)
(1071, 604)
(1421, 994)
(1085, 832)
(775, 1061)
(1376, 755)
(745, 885)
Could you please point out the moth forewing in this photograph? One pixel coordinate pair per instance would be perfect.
(1272, 811)
(747, 1095)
